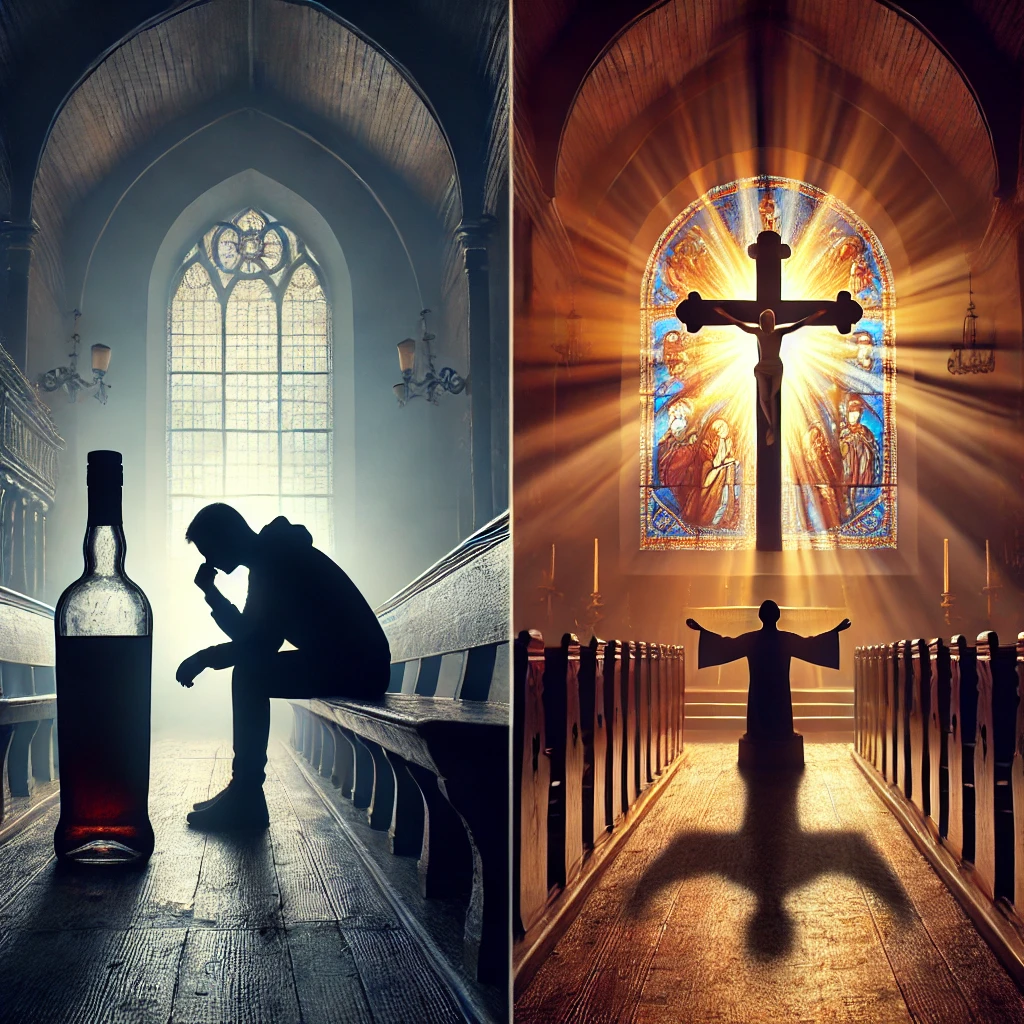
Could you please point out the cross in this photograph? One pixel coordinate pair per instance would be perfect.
(768, 252)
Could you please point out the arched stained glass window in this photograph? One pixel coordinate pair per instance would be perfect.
(698, 437)
(249, 379)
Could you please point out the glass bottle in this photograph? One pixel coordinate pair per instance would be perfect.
(104, 633)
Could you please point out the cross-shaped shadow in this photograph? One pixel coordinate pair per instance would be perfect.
(771, 856)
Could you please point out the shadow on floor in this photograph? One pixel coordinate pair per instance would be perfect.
(771, 856)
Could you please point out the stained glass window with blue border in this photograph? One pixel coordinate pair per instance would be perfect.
(698, 396)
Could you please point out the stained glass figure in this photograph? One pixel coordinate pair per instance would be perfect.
(698, 441)
(249, 379)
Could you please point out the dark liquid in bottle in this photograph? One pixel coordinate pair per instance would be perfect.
(103, 733)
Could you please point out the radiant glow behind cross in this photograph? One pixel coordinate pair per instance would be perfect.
(768, 252)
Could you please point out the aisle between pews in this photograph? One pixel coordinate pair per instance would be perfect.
(285, 926)
(740, 899)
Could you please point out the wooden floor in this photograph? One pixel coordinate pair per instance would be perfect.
(285, 927)
(749, 900)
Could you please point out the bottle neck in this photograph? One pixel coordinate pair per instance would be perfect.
(104, 537)
(104, 505)
(104, 550)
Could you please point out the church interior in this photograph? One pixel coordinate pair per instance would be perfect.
(260, 249)
(680, 167)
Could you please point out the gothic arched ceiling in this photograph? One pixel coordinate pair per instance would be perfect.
(455, 51)
(938, 65)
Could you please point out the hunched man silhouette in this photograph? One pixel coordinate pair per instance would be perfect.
(296, 593)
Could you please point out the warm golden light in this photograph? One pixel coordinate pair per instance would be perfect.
(406, 355)
(100, 359)
(698, 392)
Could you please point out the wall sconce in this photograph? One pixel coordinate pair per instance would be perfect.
(68, 377)
(432, 382)
(967, 357)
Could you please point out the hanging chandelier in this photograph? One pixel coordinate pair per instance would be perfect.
(967, 357)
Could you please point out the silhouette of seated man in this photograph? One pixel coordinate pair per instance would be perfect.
(768, 651)
(296, 593)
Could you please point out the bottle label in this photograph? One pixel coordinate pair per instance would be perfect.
(103, 730)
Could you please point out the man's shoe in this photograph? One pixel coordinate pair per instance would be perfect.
(201, 805)
(235, 808)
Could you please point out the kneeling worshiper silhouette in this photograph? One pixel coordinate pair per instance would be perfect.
(770, 740)
(296, 593)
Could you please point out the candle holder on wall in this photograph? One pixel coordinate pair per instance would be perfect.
(68, 379)
(411, 354)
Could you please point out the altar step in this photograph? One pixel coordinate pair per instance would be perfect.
(722, 714)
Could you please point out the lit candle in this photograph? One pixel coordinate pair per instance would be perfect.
(945, 565)
(988, 566)
(595, 566)
(552, 580)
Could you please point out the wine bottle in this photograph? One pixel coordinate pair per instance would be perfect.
(104, 634)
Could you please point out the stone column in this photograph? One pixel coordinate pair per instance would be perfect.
(15, 264)
(473, 235)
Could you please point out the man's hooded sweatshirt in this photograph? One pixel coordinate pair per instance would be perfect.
(296, 593)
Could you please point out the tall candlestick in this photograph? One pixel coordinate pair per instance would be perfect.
(596, 591)
(945, 565)
(552, 563)
(988, 566)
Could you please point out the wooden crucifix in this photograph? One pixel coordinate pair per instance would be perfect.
(768, 252)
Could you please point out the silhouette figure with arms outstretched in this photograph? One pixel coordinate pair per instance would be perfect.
(768, 370)
(296, 593)
(770, 740)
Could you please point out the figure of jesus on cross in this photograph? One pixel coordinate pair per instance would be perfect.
(768, 370)
(767, 310)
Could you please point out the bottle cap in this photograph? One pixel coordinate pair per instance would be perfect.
(104, 469)
(105, 459)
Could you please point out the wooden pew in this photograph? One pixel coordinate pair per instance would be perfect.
(631, 737)
(892, 708)
(902, 689)
(614, 709)
(963, 717)
(643, 698)
(428, 765)
(969, 775)
(532, 784)
(919, 684)
(878, 696)
(1017, 784)
(938, 734)
(993, 752)
(27, 733)
(596, 819)
(589, 728)
(564, 741)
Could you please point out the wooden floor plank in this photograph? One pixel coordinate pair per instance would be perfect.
(327, 980)
(286, 925)
(322, 876)
(238, 975)
(160, 894)
(24, 855)
(238, 884)
(774, 903)
(986, 988)
(168, 894)
(141, 975)
(384, 955)
(605, 955)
